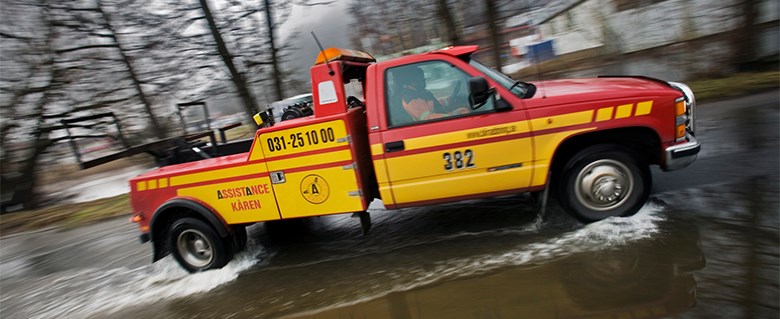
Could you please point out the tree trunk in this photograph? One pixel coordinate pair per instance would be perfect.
(250, 104)
(495, 38)
(24, 185)
(27, 183)
(158, 131)
(278, 93)
(746, 42)
(445, 16)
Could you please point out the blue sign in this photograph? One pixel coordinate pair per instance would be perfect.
(540, 52)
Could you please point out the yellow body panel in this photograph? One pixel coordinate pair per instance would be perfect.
(377, 149)
(459, 171)
(321, 183)
(460, 184)
(473, 134)
(604, 114)
(318, 192)
(299, 139)
(623, 111)
(563, 120)
(244, 201)
(644, 108)
(386, 192)
(484, 156)
(308, 160)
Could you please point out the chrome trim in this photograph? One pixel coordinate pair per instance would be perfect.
(681, 120)
(681, 155)
(690, 100)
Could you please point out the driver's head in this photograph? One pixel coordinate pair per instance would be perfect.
(411, 76)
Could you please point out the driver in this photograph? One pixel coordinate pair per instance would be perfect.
(418, 102)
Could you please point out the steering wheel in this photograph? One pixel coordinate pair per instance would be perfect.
(353, 102)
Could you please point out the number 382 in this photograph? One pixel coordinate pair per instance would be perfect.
(458, 159)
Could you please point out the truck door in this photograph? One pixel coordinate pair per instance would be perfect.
(435, 148)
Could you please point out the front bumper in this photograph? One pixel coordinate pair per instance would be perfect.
(681, 155)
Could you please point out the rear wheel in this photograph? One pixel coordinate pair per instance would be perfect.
(604, 181)
(197, 247)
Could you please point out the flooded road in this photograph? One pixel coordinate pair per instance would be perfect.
(704, 246)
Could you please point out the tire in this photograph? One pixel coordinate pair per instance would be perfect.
(290, 114)
(604, 181)
(197, 247)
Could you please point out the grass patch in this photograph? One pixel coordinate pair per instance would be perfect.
(66, 215)
(735, 85)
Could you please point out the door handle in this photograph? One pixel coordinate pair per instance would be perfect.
(394, 146)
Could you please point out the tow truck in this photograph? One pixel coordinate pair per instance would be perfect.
(589, 142)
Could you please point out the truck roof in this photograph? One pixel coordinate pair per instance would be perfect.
(456, 50)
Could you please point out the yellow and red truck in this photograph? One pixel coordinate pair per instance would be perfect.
(429, 128)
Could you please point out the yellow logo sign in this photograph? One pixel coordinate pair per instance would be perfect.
(315, 189)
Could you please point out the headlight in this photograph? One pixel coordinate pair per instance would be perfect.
(685, 110)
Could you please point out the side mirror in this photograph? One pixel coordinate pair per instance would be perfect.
(479, 92)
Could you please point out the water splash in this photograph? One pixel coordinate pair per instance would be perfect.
(611, 232)
(79, 294)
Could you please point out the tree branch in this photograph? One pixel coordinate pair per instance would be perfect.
(86, 47)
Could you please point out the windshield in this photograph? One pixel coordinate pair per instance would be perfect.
(499, 77)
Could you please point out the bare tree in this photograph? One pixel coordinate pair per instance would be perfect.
(394, 26)
(28, 90)
(275, 73)
(59, 60)
(495, 36)
(158, 131)
(445, 16)
(746, 49)
(250, 104)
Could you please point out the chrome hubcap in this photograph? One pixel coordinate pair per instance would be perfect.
(603, 185)
(194, 248)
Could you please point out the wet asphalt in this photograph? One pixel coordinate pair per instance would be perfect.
(704, 246)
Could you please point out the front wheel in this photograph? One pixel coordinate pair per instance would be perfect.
(197, 247)
(604, 181)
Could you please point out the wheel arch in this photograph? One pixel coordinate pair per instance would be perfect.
(642, 141)
(177, 208)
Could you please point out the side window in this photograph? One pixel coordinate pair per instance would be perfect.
(427, 91)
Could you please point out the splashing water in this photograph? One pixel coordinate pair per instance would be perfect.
(610, 232)
(82, 293)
